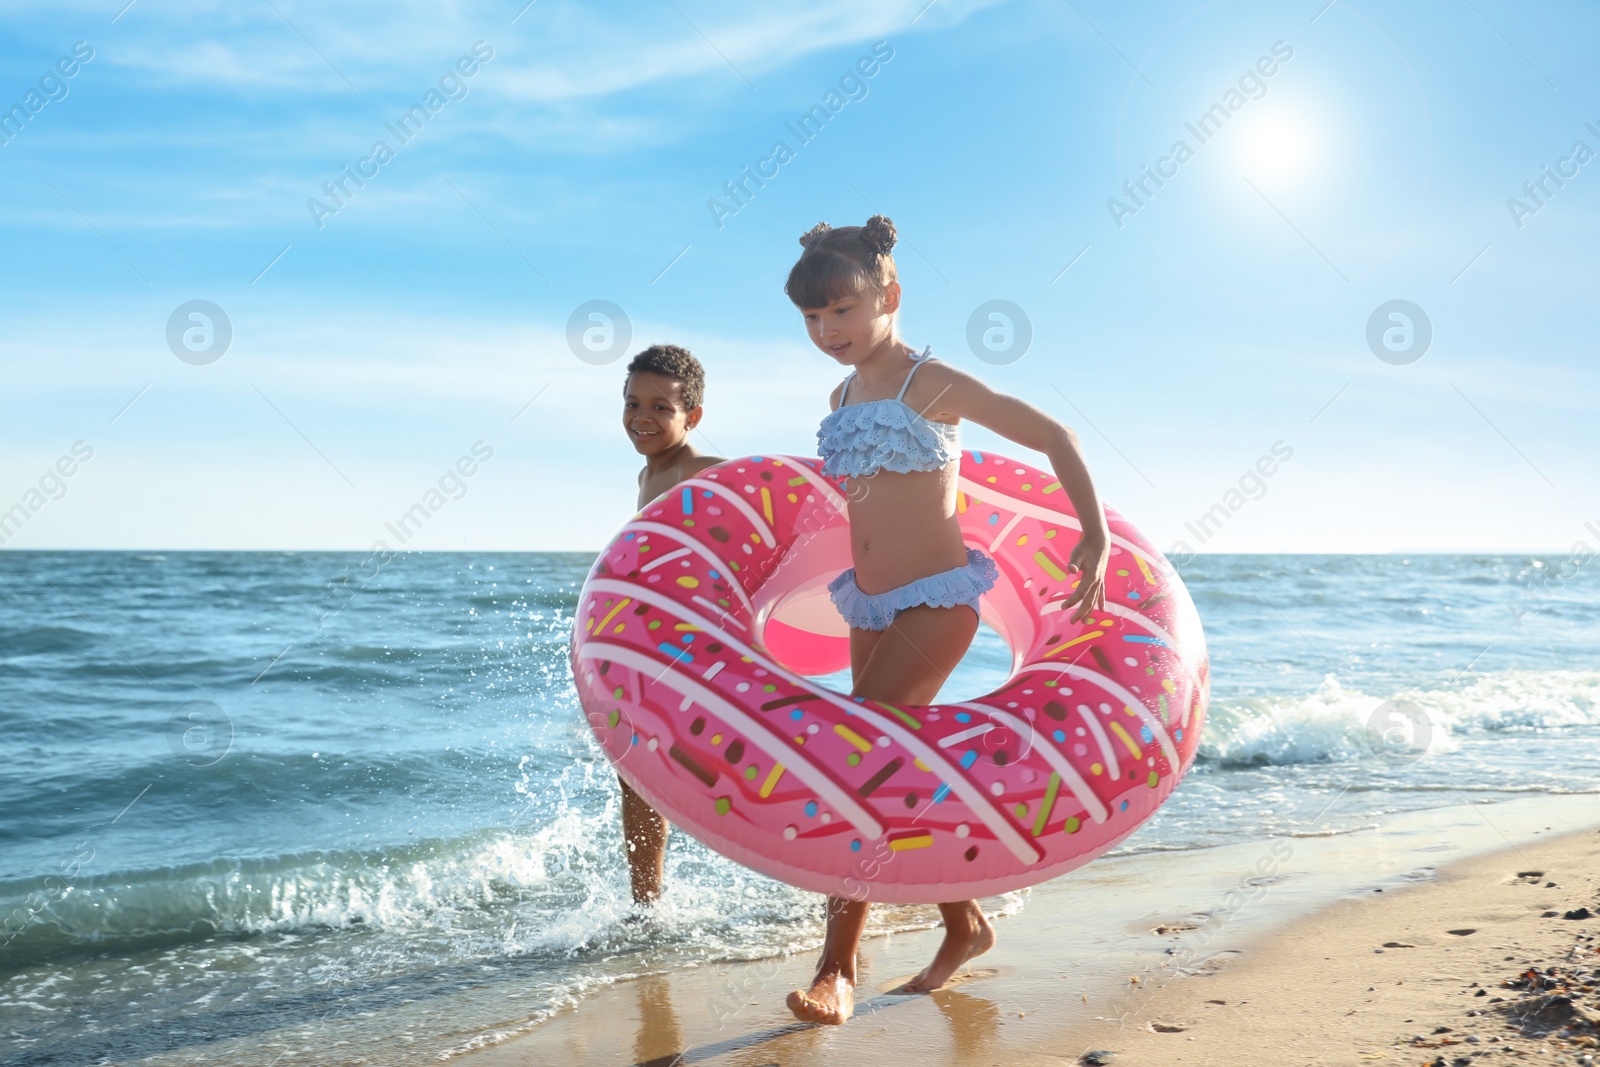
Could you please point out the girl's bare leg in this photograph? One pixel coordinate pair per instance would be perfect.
(644, 836)
(831, 997)
(906, 664)
(966, 934)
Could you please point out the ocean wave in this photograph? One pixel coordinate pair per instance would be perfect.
(434, 883)
(42, 640)
(1335, 723)
(221, 792)
(557, 892)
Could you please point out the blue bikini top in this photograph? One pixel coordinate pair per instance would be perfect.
(858, 440)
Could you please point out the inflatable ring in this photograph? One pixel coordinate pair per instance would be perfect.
(697, 625)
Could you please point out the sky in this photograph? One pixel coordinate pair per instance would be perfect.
(1360, 239)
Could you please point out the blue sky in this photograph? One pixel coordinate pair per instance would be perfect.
(1183, 334)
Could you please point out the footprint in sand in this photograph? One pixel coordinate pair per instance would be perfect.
(897, 986)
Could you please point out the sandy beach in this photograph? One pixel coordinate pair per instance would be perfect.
(1402, 946)
(1498, 957)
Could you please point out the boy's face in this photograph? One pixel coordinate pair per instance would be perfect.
(852, 327)
(653, 412)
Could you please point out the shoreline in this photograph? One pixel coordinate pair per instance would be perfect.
(1123, 954)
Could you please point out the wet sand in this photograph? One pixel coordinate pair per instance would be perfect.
(1313, 950)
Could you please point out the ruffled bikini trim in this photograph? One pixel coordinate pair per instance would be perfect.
(946, 589)
(860, 439)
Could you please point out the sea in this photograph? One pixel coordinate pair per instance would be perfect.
(286, 808)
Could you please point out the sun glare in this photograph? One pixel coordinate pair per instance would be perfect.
(1277, 147)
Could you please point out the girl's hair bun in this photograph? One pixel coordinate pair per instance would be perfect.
(847, 261)
(813, 235)
(879, 234)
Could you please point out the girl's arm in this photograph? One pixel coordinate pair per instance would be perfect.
(963, 396)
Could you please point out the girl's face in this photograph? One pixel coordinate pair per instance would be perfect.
(853, 327)
(654, 414)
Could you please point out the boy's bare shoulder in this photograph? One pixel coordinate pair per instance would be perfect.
(675, 476)
(700, 463)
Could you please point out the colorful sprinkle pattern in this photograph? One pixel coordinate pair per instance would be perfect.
(1093, 730)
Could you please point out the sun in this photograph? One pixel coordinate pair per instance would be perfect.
(1277, 146)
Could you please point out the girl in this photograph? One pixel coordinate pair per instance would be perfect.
(893, 432)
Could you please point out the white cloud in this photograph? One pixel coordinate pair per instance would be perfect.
(564, 52)
(635, 55)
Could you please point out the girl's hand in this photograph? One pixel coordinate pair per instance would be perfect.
(1088, 559)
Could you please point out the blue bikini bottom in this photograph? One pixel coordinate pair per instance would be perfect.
(947, 589)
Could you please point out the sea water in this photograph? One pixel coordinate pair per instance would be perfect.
(289, 808)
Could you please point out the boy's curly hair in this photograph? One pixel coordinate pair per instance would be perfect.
(672, 361)
(843, 262)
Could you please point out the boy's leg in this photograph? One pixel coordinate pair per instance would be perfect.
(644, 837)
(831, 997)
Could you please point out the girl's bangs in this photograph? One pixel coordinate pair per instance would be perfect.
(821, 277)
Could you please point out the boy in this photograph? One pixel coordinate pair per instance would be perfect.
(661, 400)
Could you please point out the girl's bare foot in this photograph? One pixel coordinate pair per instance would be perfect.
(830, 1000)
(967, 935)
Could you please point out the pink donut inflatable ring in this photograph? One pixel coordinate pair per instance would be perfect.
(697, 625)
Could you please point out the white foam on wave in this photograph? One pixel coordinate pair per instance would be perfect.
(403, 887)
(1336, 723)
(555, 891)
